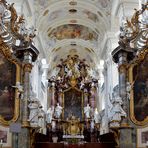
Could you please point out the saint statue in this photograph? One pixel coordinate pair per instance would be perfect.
(58, 111)
(92, 125)
(34, 111)
(128, 89)
(97, 117)
(87, 111)
(116, 112)
(41, 117)
(49, 114)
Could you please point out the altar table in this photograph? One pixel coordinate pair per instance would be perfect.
(62, 145)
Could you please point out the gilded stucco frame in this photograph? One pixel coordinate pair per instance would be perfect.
(5, 50)
(82, 104)
(140, 57)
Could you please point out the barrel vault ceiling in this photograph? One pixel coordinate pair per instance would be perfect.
(69, 27)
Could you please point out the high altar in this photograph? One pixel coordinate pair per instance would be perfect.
(73, 100)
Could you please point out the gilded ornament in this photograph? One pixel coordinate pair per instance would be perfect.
(28, 67)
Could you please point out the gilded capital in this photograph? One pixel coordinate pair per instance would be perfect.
(28, 67)
(25, 124)
(122, 68)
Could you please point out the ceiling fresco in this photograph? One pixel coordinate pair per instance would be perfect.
(72, 31)
(72, 12)
(63, 22)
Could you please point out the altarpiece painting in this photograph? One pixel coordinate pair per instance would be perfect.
(73, 103)
(9, 74)
(139, 93)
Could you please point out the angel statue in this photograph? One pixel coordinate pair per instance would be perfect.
(19, 87)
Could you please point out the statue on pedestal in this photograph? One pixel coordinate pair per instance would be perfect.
(41, 117)
(128, 89)
(34, 111)
(58, 111)
(49, 114)
(97, 117)
(116, 112)
(92, 125)
(87, 111)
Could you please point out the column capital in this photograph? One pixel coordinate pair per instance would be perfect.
(21, 51)
(121, 52)
(28, 67)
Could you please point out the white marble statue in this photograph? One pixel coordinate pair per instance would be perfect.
(19, 87)
(34, 111)
(128, 89)
(87, 111)
(97, 117)
(58, 111)
(116, 112)
(92, 125)
(53, 125)
(49, 114)
(41, 118)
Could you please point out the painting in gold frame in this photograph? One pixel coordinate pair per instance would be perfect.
(138, 77)
(142, 137)
(73, 103)
(9, 75)
(5, 137)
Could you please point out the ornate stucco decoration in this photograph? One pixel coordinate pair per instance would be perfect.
(73, 72)
(13, 31)
(133, 45)
(134, 32)
(134, 37)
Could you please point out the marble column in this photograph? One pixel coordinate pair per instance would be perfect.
(105, 128)
(122, 68)
(53, 101)
(122, 56)
(92, 97)
(27, 88)
(27, 56)
(27, 67)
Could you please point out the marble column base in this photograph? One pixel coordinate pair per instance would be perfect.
(24, 138)
(127, 138)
